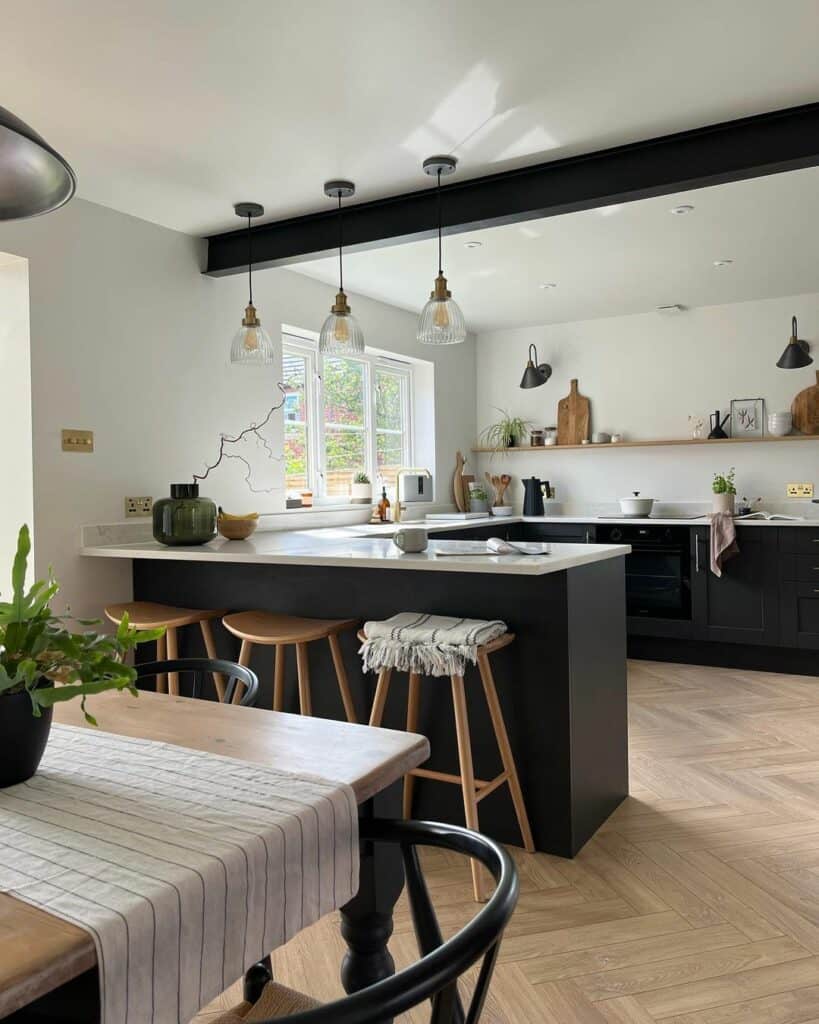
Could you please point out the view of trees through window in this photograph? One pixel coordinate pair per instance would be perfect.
(361, 424)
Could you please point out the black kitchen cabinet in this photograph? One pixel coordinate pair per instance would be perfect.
(474, 533)
(557, 533)
(800, 615)
(742, 606)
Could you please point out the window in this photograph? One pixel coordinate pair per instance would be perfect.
(344, 415)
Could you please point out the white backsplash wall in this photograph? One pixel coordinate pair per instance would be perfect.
(644, 375)
(130, 340)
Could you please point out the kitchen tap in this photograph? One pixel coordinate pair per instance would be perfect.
(402, 472)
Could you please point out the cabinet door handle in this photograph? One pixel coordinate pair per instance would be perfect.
(696, 553)
(587, 536)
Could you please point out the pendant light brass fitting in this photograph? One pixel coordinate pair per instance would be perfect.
(250, 319)
(341, 306)
(440, 292)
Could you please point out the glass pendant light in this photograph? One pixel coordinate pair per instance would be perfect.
(34, 178)
(340, 333)
(251, 343)
(441, 321)
(795, 355)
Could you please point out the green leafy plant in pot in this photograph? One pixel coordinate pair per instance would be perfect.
(506, 433)
(42, 662)
(725, 491)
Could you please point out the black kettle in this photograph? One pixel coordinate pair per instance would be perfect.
(533, 497)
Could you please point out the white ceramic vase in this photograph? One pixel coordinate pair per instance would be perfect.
(780, 424)
(723, 503)
(361, 494)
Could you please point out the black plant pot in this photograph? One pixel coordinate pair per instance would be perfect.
(23, 738)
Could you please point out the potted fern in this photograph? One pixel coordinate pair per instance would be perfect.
(361, 490)
(43, 662)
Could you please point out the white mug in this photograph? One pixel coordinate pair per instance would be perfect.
(411, 539)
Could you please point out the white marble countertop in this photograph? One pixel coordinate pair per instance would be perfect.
(336, 547)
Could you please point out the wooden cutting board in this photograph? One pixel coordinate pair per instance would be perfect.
(573, 417)
(805, 409)
(458, 483)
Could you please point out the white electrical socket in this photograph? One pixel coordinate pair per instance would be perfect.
(138, 507)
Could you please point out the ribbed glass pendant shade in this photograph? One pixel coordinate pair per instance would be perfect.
(251, 343)
(441, 323)
(341, 333)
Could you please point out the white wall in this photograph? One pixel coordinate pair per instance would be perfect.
(17, 492)
(644, 374)
(130, 340)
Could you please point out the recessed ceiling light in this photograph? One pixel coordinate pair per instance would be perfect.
(472, 245)
(681, 209)
(723, 263)
(546, 285)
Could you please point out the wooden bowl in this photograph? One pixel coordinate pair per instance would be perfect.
(237, 529)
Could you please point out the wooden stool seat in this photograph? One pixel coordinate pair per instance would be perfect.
(282, 631)
(473, 789)
(274, 628)
(151, 615)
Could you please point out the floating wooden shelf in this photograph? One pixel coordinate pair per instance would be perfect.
(647, 444)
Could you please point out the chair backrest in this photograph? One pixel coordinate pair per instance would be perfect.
(199, 668)
(435, 976)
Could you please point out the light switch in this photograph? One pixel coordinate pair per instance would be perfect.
(78, 440)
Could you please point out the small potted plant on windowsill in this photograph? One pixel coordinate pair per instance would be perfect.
(725, 492)
(361, 490)
(42, 663)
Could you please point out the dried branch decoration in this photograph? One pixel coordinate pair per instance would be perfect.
(255, 429)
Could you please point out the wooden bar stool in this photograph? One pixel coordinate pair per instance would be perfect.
(282, 631)
(150, 615)
(474, 790)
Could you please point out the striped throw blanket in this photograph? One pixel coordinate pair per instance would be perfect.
(184, 867)
(432, 645)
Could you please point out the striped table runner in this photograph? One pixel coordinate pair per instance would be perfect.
(185, 867)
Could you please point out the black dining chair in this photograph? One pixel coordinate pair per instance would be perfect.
(435, 976)
(198, 668)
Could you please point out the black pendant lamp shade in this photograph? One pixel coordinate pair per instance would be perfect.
(34, 178)
(795, 356)
(535, 373)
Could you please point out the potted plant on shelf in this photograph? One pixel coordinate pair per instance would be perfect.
(725, 492)
(42, 662)
(506, 433)
(361, 490)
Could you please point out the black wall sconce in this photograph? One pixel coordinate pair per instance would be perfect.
(535, 373)
(796, 351)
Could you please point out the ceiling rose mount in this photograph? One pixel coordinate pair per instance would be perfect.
(251, 210)
(339, 189)
(443, 165)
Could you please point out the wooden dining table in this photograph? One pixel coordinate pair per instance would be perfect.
(41, 953)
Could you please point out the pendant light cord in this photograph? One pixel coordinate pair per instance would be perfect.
(340, 246)
(250, 259)
(440, 260)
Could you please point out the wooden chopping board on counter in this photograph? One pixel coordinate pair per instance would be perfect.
(805, 409)
(573, 417)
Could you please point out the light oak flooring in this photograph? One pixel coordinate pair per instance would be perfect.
(697, 903)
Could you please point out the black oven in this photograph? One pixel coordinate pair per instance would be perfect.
(658, 570)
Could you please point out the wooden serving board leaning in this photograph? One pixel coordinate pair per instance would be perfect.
(805, 409)
(573, 417)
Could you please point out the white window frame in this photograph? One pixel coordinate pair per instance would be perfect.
(373, 359)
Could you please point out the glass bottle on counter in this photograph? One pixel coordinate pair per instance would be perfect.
(184, 518)
(384, 506)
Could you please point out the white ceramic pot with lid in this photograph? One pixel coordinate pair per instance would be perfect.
(636, 506)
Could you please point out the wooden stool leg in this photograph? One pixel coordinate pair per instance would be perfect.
(413, 701)
(161, 655)
(173, 654)
(244, 659)
(467, 774)
(508, 758)
(341, 675)
(305, 702)
(278, 678)
(210, 647)
(381, 691)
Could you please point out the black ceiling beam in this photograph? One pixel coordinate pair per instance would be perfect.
(782, 140)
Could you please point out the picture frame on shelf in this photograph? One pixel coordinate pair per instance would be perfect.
(747, 417)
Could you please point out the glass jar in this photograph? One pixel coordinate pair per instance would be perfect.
(184, 518)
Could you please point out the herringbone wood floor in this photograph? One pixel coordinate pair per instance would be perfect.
(697, 903)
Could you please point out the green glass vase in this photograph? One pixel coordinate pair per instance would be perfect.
(184, 518)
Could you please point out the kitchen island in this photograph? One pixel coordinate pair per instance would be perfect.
(562, 683)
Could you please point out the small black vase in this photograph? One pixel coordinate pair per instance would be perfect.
(23, 738)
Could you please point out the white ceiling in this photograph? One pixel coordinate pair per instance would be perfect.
(613, 261)
(174, 111)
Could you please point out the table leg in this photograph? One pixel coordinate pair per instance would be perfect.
(366, 921)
